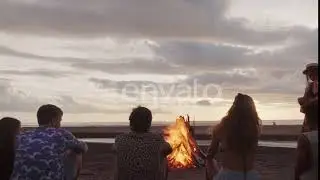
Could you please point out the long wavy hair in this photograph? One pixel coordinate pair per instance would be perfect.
(9, 128)
(241, 125)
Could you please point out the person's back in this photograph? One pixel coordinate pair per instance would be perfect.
(236, 161)
(236, 137)
(40, 154)
(139, 156)
(312, 173)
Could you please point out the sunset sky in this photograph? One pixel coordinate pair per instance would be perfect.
(97, 59)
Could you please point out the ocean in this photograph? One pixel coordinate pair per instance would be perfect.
(156, 123)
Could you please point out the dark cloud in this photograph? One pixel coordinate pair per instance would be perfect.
(12, 100)
(203, 19)
(224, 79)
(37, 72)
(69, 105)
(203, 103)
(202, 55)
(15, 101)
(189, 57)
(107, 83)
(213, 56)
(136, 66)
(6, 51)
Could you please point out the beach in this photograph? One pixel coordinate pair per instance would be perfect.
(272, 163)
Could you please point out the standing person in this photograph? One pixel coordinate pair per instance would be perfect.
(43, 152)
(140, 154)
(9, 129)
(307, 150)
(311, 93)
(237, 137)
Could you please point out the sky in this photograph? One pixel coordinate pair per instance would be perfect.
(98, 59)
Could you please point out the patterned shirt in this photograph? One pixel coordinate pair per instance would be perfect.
(40, 154)
(139, 156)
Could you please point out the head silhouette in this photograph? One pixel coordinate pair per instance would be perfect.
(49, 115)
(9, 128)
(140, 119)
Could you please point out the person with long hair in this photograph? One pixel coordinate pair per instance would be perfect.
(9, 129)
(236, 136)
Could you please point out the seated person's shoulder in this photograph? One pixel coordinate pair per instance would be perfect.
(122, 137)
(303, 141)
(157, 136)
(62, 131)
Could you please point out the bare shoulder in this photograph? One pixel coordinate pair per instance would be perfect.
(121, 137)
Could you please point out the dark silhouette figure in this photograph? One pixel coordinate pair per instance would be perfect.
(307, 150)
(310, 96)
(9, 128)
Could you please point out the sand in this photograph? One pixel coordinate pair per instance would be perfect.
(271, 163)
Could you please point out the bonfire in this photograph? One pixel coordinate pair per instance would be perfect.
(186, 152)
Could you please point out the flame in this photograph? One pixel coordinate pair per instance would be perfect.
(178, 135)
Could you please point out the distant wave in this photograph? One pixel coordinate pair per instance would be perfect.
(159, 123)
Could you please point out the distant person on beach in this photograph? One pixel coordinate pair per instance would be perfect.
(140, 154)
(307, 150)
(9, 129)
(44, 153)
(236, 137)
(311, 93)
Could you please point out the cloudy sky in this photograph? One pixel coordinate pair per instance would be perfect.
(97, 59)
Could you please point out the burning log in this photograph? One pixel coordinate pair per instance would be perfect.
(186, 152)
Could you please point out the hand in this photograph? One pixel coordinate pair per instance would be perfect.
(301, 100)
(209, 169)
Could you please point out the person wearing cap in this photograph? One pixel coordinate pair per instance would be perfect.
(311, 93)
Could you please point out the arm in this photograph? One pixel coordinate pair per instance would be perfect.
(305, 100)
(166, 149)
(114, 148)
(72, 143)
(302, 100)
(303, 161)
(115, 151)
(213, 148)
(211, 164)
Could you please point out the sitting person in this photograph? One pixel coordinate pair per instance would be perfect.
(42, 153)
(307, 150)
(140, 154)
(9, 129)
(237, 138)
